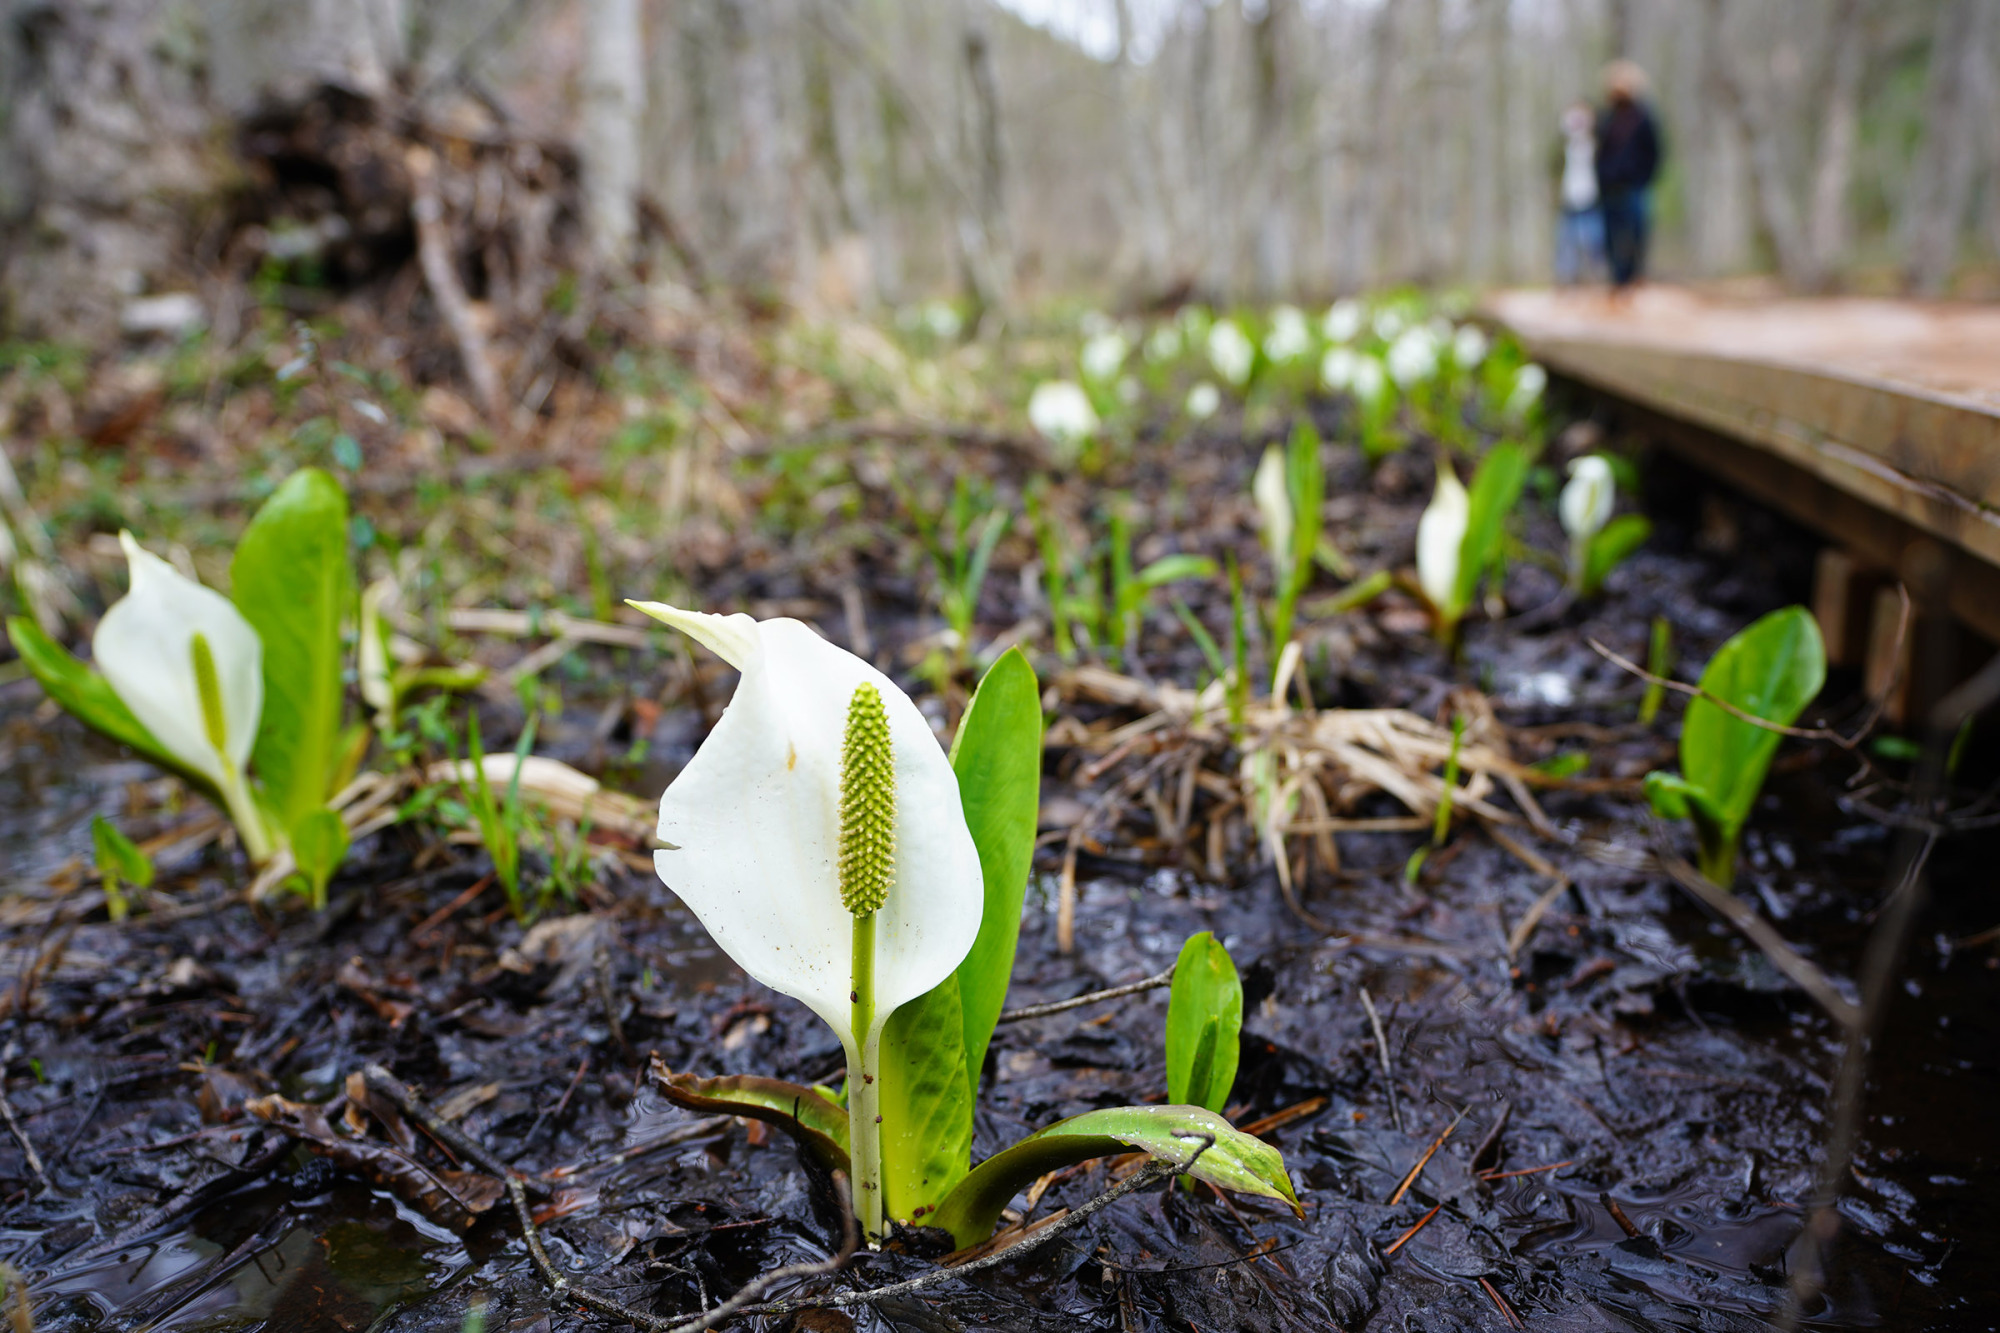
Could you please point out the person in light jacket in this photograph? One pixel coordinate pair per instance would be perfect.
(1579, 226)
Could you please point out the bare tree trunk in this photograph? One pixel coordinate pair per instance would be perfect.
(1145, 208)
(984, 227)
(1827, 228)
(1942, 185)
(614, 106)
(1775, 206)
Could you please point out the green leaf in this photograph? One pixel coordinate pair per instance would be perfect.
(1204, 1018)
(319, 845)
(926, 1104)
(1233, 1161)
(1305, 486)
(88, 697)
(118, 855)
(1172, 568)
(809, 1115)
(997, 756)
(292, 579)
(1496, 488)
(1771, 670)
(1667, 793)
(1618, 539)
(1565, 765)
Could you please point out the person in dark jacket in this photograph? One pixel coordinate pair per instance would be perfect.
(1628, 158)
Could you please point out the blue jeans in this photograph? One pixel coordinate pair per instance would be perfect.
(1579, 244)
(1625, 227)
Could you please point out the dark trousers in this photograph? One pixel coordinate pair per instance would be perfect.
(1625, 235)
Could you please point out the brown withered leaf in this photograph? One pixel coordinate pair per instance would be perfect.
(456, 1201)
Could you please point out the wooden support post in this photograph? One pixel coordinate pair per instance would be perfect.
(1843, 602)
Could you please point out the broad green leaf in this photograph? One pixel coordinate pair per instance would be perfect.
(997, 756)
(809, 1115)
(88, 697)
(1234, 1161)
(1618, 539)
(118, 855)
(1496, 488)
(1305, 486)
(926, 1104)
(1204, 1019)
(319, 845)
(292, 579)
(1771, 670)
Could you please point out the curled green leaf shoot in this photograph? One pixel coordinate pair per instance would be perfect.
(867, 863)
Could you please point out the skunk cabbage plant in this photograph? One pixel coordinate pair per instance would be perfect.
(1770, 670)
(1461, 533)
(1204, 400)
(1290, 337)
(1343, 320)
(1597, 541)
(1231, 352)
(840, 856)
(1104, 355)
(214, 688)
(1061, 413)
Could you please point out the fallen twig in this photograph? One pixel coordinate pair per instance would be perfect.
(1417, 1170)
(1153, 982)
(1382, 1049)
(457, 1140)
(21, 1137)
(1761, 933)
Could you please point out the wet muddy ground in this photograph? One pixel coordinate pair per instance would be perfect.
(1639, 1098)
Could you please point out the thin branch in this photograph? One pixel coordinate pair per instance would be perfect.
(1761, 933)
(460, 1143)
(1382, 1049)
(21, 1137)
(1875, 705)
(1153, 982)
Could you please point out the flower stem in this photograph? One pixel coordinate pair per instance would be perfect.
(864, 1088)
(249, 820)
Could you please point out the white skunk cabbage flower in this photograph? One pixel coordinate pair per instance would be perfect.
(791, 851)
(1389, 322)
(1468, 346)
(1104, 354)
(941, 320)
(1204, 400)
(191, 669)
(1585, 507)
(1060, 410)
(1231, 352)
(1274, 502)
(1130, 391)
(1290, 337)
(1587, 499)
(1163, 343)
(1529, 382)
(1336, 368)
(1370, 382)
(1343, 320)
(372, 658)
(1440, 539)
(1413, 357)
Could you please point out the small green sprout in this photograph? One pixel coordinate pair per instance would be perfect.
(119, 862)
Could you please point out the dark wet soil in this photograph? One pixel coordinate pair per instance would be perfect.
(1664, 1092)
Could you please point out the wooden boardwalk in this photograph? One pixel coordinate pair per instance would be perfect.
(1877, 422)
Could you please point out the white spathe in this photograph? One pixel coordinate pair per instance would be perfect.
(1104, 354)
(1343, 320)
(1274, 504)
(1060, 410)
(751, 827)
(1204, 400)
(145, 648)
(1336, 368)
(1369, 382)
(1290, 337)
(1469, 346)
(1163, 343)
(1441, 539)
(1588, 497)
(1529, 382)
(1413, 357)
(1231, 352)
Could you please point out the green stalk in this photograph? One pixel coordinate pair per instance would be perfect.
(864, 1088)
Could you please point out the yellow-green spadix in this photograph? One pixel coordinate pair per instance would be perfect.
(191, 669)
